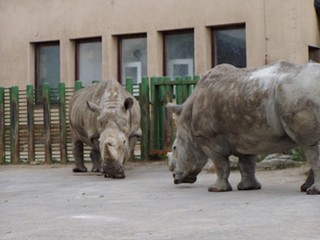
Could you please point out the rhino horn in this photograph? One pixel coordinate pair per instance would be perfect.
(93, 107)
(177, 109)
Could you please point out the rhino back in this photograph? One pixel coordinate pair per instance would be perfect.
(236, 108)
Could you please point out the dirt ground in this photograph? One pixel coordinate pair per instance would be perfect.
(51, 202)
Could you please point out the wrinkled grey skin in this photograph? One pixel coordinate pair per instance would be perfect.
(107, 118)
(245, 112)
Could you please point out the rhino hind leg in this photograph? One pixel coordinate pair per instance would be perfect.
(313, 155)
(223, 171)
(96, 160)
(309, 181)
(78, 157)
(247, 167)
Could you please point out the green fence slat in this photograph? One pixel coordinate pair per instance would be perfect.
(129, 85)
(144, 100)
(30, 123)
(63, 123)
(155, 113)
(78, 85)
(168, 122)
(14, 124)
(2, 127)
(47, 122)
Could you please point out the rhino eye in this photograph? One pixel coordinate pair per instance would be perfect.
(174, 147)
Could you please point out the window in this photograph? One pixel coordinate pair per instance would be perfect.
(132, 57)
(229, 45)
(314, 54)
(47, 64)
(88, 60)
(179, 53)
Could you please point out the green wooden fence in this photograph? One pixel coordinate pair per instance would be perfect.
(163, 91)
(34, 128)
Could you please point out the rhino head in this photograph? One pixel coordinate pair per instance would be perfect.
(113, 124)
(186, 159)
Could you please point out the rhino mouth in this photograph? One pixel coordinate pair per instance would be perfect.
(112, 172)
(178, 178)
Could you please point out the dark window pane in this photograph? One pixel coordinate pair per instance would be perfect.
(50, 65)
(89, 62)
(133, 58)
(179, 54)
(47, 68)
(230, 46)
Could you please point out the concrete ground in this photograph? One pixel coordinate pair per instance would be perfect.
(50, 202)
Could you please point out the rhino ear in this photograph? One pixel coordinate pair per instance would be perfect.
(128, 103)
(93, 107)
(174, 108)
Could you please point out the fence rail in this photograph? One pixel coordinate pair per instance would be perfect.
(34, 128)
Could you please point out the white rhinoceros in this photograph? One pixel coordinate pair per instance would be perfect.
(107, 118)
(245, 112)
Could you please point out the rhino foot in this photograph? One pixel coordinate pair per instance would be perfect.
(96, 169)
(79, 169)
(313, 190)
(114, 175)
(252, 185)
(309, 181)
(216, 188)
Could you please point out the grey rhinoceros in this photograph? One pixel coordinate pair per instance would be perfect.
(245, 112)
(107, 118)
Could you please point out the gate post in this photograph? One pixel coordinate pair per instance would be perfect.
(63, 123)
(30, 123)
(47, 122)
(2, 127)
(145, 118)
(14, 124)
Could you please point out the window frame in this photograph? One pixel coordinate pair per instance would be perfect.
(77, 55)
(214, 40)
(120, 38)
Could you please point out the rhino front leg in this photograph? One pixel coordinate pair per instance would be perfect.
(130, 153)
(247, 167)
(77, 150)
(222, 184)
(96, 160)
(313, 155)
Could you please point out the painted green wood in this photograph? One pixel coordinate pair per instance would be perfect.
(168, 122)
(78, 85)
(14, 124)
(30, 123)
(144, 101)
(2, 127)
(47, 122)
(155, 113)
(162, 110)
(129, 85)
(178, 82)
(63, 123)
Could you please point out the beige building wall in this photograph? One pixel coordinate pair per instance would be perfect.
(274, 30)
